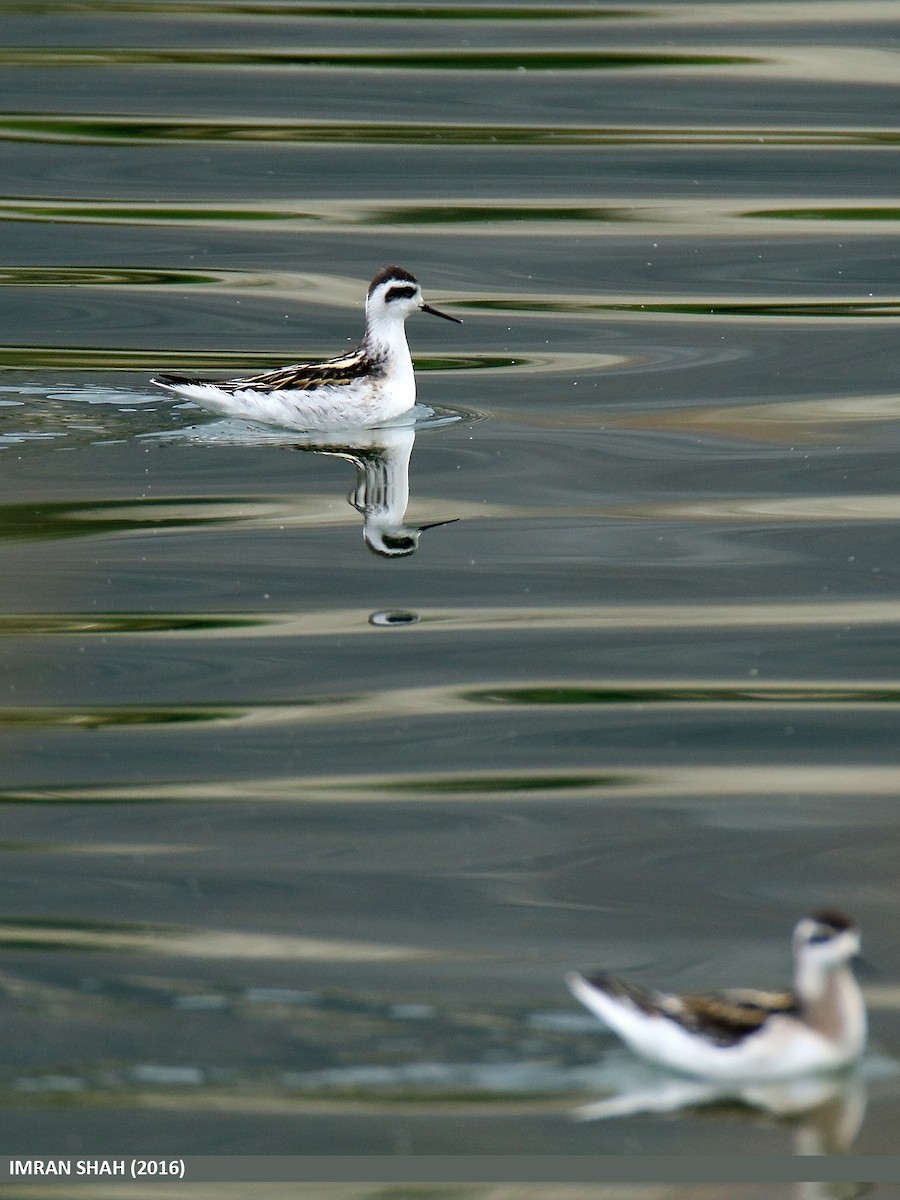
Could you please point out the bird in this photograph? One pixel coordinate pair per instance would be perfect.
(370, 385)
(745, 1034)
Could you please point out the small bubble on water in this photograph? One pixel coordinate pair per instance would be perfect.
(393, 617)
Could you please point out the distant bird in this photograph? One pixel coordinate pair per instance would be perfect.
(370, 385)
(743, 1034)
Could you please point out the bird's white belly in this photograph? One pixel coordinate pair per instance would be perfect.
(783, 1048)
(358, 404)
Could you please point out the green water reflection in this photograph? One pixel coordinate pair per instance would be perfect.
(76, 358)
(400, 11)
(411, 60)
(705, 308)
(75, 624)
(85, 128)
(39, 522)
(430, 702)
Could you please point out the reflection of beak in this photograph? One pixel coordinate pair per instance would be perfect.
(434, 524)
(397, 543)
(434, 312)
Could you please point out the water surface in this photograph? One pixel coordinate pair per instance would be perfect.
(300, 840)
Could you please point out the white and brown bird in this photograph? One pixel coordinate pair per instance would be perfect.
(368, 386)
(745, 1034)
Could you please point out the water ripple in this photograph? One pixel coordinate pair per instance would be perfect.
(198, 943)
(84, 127)
(681, 786)
(408, 703)
(500, 218)
(87, 129)
(409, 60)
(398, 11)
(812, 614)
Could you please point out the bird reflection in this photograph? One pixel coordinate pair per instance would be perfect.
(825, 1112)
(381, 495)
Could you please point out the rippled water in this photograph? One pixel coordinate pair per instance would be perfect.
(300, 839)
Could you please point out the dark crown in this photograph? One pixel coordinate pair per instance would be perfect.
(833, 920)
(391, 273)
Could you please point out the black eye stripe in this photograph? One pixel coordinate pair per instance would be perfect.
(400, 293)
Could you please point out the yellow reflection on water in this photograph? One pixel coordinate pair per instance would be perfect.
(342, 622)
(788, 422)
(201, 943)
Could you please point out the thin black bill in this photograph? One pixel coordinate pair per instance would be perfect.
(435, 313)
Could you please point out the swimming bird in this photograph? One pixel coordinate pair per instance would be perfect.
(370, 385)
(746, 1034)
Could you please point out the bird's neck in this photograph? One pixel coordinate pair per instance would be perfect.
(386, 338)
(832, 1003)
